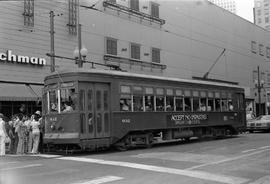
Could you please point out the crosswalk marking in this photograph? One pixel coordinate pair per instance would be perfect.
(45, 155)
(21, 167)
(183, 157)
(101, 180)
(193, 174)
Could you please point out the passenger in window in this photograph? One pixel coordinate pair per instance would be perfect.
(160, 104)
(53, 107)
(148, 106)
(230, 106)
(67, 107)
(73, 98)
(124, 105)
(203, 107)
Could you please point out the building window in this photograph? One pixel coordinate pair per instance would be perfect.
(155, 55)
(261, 50)
(72, 16)
(112, 1)
(154, 10)
(259, 20)
(135, 51)
(268, 52)
(111, 45)
(28, 13)
(259, 12)
(134, 5)
(253, 47)
(266, 19)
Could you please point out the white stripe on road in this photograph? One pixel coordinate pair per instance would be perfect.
(229, 159)
(101, 180)
(193, 174)
(45, 155)
(6, 163)
(250, 150)
(264, 147)
(255, 149)
(21, 167)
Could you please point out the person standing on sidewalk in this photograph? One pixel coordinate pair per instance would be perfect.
(19, 128)
(3, 136)
(35, 133)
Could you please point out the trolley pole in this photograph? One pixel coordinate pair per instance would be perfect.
(52, 41)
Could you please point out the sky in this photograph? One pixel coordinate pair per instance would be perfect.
(245, 9)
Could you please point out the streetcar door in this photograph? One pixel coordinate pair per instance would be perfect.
(101, 113)
(95, 117)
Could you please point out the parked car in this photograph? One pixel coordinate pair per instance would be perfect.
(261, 123)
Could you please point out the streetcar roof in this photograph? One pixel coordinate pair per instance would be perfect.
(136, 75)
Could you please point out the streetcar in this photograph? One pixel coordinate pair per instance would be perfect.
(91, 109)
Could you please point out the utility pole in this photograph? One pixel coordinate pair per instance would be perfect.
(259, 90)
(80, 62)
(52, 41)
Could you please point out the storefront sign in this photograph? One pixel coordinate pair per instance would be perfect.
(12, 58)
(186, 119)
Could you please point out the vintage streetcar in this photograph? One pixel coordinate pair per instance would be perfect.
(95, 109)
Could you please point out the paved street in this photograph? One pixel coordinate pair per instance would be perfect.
(241, 160)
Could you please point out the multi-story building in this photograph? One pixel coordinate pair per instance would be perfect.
(183, 39)
(261, 13)
(229, 5)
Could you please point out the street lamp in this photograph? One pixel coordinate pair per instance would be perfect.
(80, 52)
(80, 55)
(259, 85)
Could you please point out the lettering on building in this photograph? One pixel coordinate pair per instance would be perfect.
(13, 58)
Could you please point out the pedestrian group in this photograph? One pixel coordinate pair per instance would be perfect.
(22, 134)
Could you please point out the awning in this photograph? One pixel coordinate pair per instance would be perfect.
(20, 92)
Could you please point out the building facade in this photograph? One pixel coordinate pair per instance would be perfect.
(183, 39)
(229, 5)
(261, 13)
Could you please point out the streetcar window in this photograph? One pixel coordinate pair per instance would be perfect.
(149, 103)
(169, 92)
(217, 104)
(160, 91)
(53, 101)
(90, 100)
(81, 95)
(230, 105)
(210, 104)
(187, 104)
(105, 100)
(196, 104)
(138, 103)
(203, 104)
(178, 92)
(98, 98)
(160, 103)
(149, 91)
(68, 100)
(125, 102)
(179, 104)
(224, 105)
(169, 103)
(125, 89)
